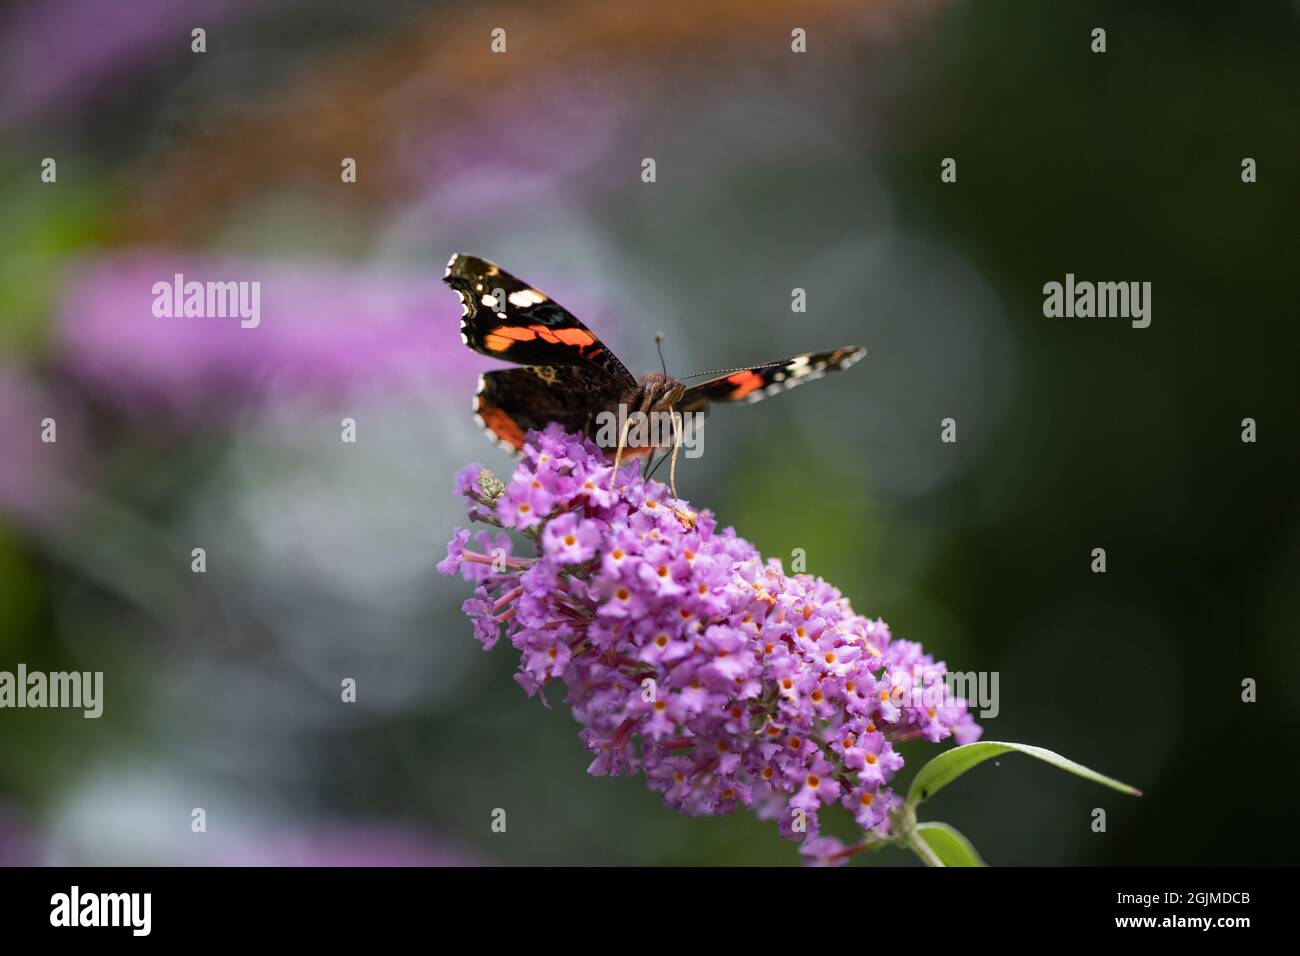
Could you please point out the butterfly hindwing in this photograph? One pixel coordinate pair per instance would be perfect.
(512, 401)
(509, 319)
(752, 384)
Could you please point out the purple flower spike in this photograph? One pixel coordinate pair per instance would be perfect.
(687, 657)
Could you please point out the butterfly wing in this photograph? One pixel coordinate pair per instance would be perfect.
(760, 381)
(508, 319)
(513, 401)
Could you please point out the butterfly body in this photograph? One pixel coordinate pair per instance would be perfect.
(568, 375)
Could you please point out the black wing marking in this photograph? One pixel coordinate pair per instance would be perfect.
(509, 319)
(513, 401)
(760, 381)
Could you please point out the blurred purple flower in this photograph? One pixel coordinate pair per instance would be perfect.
(51, 50)
(557, 136)
(322, 327)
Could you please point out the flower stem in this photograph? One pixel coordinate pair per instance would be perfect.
(916, 843)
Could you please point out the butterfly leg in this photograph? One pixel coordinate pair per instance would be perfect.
(618, 455)
(662, 458)
(687, 518)
(677, 444)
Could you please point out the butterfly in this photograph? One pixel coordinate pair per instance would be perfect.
(570, 376)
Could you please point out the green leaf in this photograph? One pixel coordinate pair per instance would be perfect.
(949, 845)
(951, 764)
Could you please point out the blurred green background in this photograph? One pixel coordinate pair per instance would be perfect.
(775, 171)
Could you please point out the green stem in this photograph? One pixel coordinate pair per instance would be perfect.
(917, 844)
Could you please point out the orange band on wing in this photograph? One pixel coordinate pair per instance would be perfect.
(578, 337)
(745, 383)
(502, 337)
(501, 425)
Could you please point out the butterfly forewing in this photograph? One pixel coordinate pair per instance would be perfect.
(509, 319)
(760, 381)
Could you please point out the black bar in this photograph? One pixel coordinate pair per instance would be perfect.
(914, 906)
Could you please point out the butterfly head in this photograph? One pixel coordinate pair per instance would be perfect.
(656, 392)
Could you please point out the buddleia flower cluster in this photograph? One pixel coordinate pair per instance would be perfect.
(688, 658)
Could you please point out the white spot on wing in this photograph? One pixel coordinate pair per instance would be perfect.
(853, 358)
(526, 297)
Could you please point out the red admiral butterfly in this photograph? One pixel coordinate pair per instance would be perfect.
(571, 377)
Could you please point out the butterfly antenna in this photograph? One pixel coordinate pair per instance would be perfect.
(659, 344)
(725, 371)
(670, 454)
